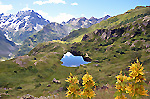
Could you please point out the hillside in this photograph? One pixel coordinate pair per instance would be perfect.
(55, 31)
(7, 48)
(109, 50)
(52, 31)
(129, 16)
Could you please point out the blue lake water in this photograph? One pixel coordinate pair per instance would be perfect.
(70, 60)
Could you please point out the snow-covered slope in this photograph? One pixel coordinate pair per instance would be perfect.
(21, 25)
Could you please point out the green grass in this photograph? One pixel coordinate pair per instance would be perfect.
(108, 58)
(116, 21)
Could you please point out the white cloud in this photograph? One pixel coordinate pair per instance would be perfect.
(44, 14)
(49, 1)
(82, 15)
(74, 3)
(5, 8)
(67, 54)
(61, 17)
(73, 66)
(26, 8)
(105, 13)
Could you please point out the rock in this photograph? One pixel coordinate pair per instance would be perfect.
(127, 42)
(126, 35)
(87, 59)
(56, 81)
(86, 55)
(48, 85)
(27, 97)
(96, 61)
(147, 45)
(108, 48)
(103, 36)
(85, 37)
(76, 53)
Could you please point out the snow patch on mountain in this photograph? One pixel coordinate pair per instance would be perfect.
(26, 18)
(23, 24)
(38, 27)
(6, 35)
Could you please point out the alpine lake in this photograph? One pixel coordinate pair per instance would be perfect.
(70, 60)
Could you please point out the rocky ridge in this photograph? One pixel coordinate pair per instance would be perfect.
(21, 25)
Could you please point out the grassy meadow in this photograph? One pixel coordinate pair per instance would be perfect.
(123, 39)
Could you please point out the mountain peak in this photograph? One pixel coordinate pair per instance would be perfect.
(83, 22)
(92, 18)
(82, 18)
(24, 22)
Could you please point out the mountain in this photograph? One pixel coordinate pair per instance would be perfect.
(52, 31)
(20, 28)
(110, 46)
(7, 47)
(55, 31)
(21, 25)
(129, 16)
(82, 22)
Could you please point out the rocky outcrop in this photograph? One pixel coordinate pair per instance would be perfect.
(78, 53)
(19, 60)
(106, 34)
(88, 59)
(85, 37)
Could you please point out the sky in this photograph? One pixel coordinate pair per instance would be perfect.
(63, 10)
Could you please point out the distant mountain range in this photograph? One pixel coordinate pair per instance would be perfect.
(83, 22)
(23, 27)
(56, 31)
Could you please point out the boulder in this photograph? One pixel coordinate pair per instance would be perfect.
(56, 81)
(48, 85)
(87, 59)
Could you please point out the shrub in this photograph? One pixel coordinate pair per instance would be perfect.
(74, 90)
(88, 84)
(132, 85)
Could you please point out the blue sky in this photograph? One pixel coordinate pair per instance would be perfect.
(63, 10)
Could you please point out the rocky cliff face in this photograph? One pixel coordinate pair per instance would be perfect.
(127, 31)
(83, 22)
(21, 25)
